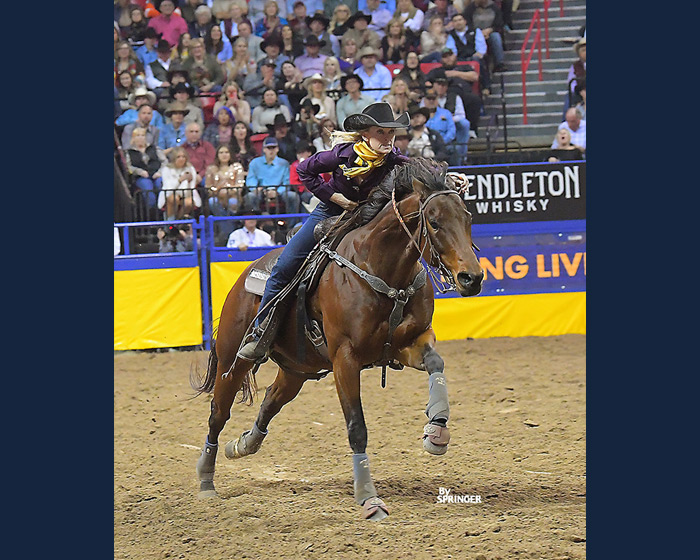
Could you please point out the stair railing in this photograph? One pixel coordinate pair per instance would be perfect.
(536, 22)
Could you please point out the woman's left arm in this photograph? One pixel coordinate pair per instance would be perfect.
(310, 171)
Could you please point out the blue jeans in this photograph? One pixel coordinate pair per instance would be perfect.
(149, 189)
(495, 44)
(293, 255)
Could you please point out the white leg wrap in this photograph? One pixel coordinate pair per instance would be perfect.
(363, 485)
(438, 404)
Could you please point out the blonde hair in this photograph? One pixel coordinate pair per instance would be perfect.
(340, 137)
(337, 73)
(172, 156)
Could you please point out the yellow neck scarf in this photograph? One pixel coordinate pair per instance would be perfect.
(367, 160)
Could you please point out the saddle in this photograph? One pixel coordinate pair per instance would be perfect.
(304, 283)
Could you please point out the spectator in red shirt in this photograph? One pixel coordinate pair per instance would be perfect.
(304, 151)
(170, 25)
(200, 152)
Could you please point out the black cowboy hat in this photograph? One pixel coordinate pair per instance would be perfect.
(181, 86)
(163, 46)
(313, 41)
(376, 114)
(280, 120)
(177, 69)
(151, 33)
(344, 79)
(358, 15)
(325, 20)
(272, 39)
(421, 111)
(308, 104)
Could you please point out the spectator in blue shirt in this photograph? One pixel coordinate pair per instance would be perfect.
(141, 96)
(440, 119)
(147, 52)
(373, 73)
(268, 177)
(172, 134)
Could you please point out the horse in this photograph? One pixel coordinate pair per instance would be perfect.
(416, 215)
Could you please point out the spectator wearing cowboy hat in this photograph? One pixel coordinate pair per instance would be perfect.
(374, 74)
(140, 96)
(315, 86)
(281, 131)
(354, 101)
(157, 71)
(312, 61)
(318, 26)
(306, 125)
(173, 132)
(423, 141)
(272, 47)
(184, 93)
(401, 141)
(360, 33)
(168, 24)
(147, 53)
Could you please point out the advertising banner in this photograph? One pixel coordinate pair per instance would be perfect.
(532, 192)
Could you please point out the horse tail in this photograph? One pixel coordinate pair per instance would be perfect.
(205, 383)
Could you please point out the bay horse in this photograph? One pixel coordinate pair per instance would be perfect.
(417, 214)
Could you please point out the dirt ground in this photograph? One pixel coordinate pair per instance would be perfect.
(518, 441)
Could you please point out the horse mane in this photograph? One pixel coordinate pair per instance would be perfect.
(430, 173)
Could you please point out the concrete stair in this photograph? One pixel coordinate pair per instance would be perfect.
(545, 99)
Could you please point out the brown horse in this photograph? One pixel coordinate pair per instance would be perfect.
(416, 213)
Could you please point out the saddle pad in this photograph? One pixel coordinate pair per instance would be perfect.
(260, 272)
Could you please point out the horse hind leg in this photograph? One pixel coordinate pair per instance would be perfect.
(225, 390)
(285, 387)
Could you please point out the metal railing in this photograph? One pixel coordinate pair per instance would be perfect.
(536, 22)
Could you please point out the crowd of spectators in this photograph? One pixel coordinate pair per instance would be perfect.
(569, 141)
(217, 101)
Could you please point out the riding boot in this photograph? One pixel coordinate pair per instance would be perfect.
(263, 335)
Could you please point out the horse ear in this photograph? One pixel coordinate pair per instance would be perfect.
(418, 186)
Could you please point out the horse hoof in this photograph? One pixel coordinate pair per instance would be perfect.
(374, 509)
(231, 450)
(435, 439)
(433, 449)
(207, 494)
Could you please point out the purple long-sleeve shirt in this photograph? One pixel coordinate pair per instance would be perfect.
(330, 161)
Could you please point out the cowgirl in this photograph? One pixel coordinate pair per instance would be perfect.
(359, 160)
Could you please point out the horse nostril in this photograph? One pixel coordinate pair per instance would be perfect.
(465, 279)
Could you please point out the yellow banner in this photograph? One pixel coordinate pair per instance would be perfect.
(459, 318)
(517, 315)
(157, 308)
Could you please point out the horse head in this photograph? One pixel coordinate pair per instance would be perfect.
(444, 226)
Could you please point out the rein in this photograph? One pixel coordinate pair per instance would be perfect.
(442, 279)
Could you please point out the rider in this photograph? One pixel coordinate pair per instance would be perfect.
(361, 157)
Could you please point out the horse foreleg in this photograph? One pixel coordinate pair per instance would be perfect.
(347, 382)
(285, 387)
(225, 390)
(422, 355)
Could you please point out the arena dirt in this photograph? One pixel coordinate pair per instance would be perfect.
(518, 441)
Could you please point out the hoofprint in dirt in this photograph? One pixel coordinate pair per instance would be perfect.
(518, 445)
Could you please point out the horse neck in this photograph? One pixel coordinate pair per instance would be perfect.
(384, 249)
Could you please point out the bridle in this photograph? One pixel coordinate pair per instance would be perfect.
(442, 278)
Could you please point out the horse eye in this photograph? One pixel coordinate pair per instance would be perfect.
(434, 224)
